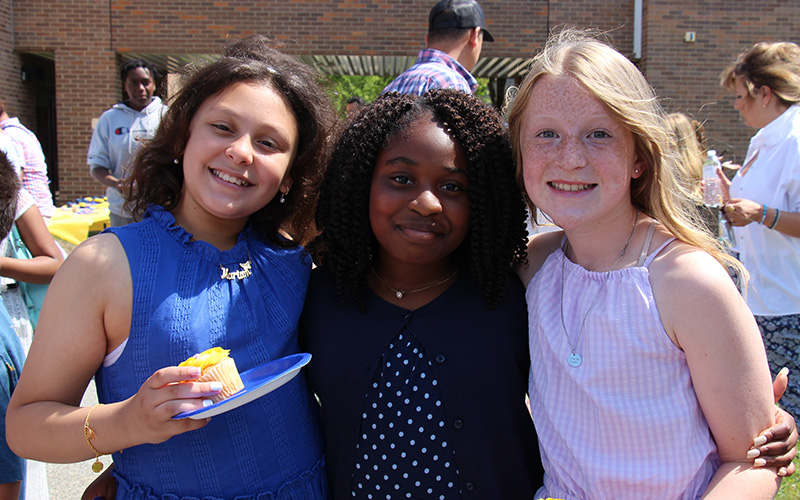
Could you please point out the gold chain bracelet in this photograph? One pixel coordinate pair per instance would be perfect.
(88, 433)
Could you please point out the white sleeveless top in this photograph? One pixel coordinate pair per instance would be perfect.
(626, 423)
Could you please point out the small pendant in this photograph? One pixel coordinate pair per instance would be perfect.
(574, 360)
(97, 466)
(399, 295)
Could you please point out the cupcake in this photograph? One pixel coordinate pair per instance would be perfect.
(217, 366)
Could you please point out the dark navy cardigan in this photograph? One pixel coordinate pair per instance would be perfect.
(480, 358)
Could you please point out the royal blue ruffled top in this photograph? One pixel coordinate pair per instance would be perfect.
(270, 448)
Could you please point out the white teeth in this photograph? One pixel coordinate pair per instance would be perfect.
(227, 178)
(570, 187)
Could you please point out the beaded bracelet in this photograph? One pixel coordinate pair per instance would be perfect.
(764, 214)
(777, 216)
(88, 433)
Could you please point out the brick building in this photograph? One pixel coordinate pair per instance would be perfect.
(60, 60)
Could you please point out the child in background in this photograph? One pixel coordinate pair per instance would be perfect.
(414, 319)
(225, 183)
(649, 378)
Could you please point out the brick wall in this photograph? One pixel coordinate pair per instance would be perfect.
(77, 35)
(687, 74)
(84, 36)
(614, 18)
(16, 100)
(373, 27)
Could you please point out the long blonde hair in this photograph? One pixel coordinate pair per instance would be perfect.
(616, 83)
(689, 168)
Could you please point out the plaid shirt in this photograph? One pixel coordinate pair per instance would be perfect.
(433, 69)
(34, 168)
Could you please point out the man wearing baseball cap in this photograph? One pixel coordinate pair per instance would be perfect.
(456, 32)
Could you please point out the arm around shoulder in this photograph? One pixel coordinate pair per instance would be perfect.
(540, 246)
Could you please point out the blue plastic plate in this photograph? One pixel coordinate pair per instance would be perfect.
(257, 382)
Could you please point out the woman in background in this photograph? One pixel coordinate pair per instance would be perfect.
(763, 200)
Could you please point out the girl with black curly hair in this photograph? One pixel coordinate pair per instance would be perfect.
(215, 261)
(414, 318)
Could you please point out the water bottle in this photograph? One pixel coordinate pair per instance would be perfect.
(712, 191)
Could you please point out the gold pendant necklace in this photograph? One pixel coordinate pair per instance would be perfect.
(402, 293)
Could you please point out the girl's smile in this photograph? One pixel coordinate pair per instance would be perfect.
(419, 205)
(230, 179)
(565, 186)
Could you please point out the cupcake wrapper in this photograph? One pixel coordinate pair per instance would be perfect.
(225, 372)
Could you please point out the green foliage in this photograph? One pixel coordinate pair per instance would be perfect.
(346, 86)
(483, 90)
(790, 486)
(369, 87)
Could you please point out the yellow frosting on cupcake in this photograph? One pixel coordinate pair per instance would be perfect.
(217, 366)
(207, 358)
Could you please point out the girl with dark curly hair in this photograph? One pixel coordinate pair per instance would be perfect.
(215, 261)
(414, 318)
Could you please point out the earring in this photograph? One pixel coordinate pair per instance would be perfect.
(636, 171)
(176, 161)
(283, 197)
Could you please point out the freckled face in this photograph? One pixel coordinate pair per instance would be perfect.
(578, 160)
(419, 205)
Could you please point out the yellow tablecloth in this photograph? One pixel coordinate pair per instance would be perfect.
(75, 221)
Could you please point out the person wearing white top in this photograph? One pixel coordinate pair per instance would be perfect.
(763, 200)
(121, 130)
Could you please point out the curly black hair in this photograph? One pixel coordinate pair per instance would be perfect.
(497, 233)
(137, 63)
(157, 179)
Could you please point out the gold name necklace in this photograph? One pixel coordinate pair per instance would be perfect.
(245, 271)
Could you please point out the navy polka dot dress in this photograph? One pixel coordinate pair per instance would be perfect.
(403, 449)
